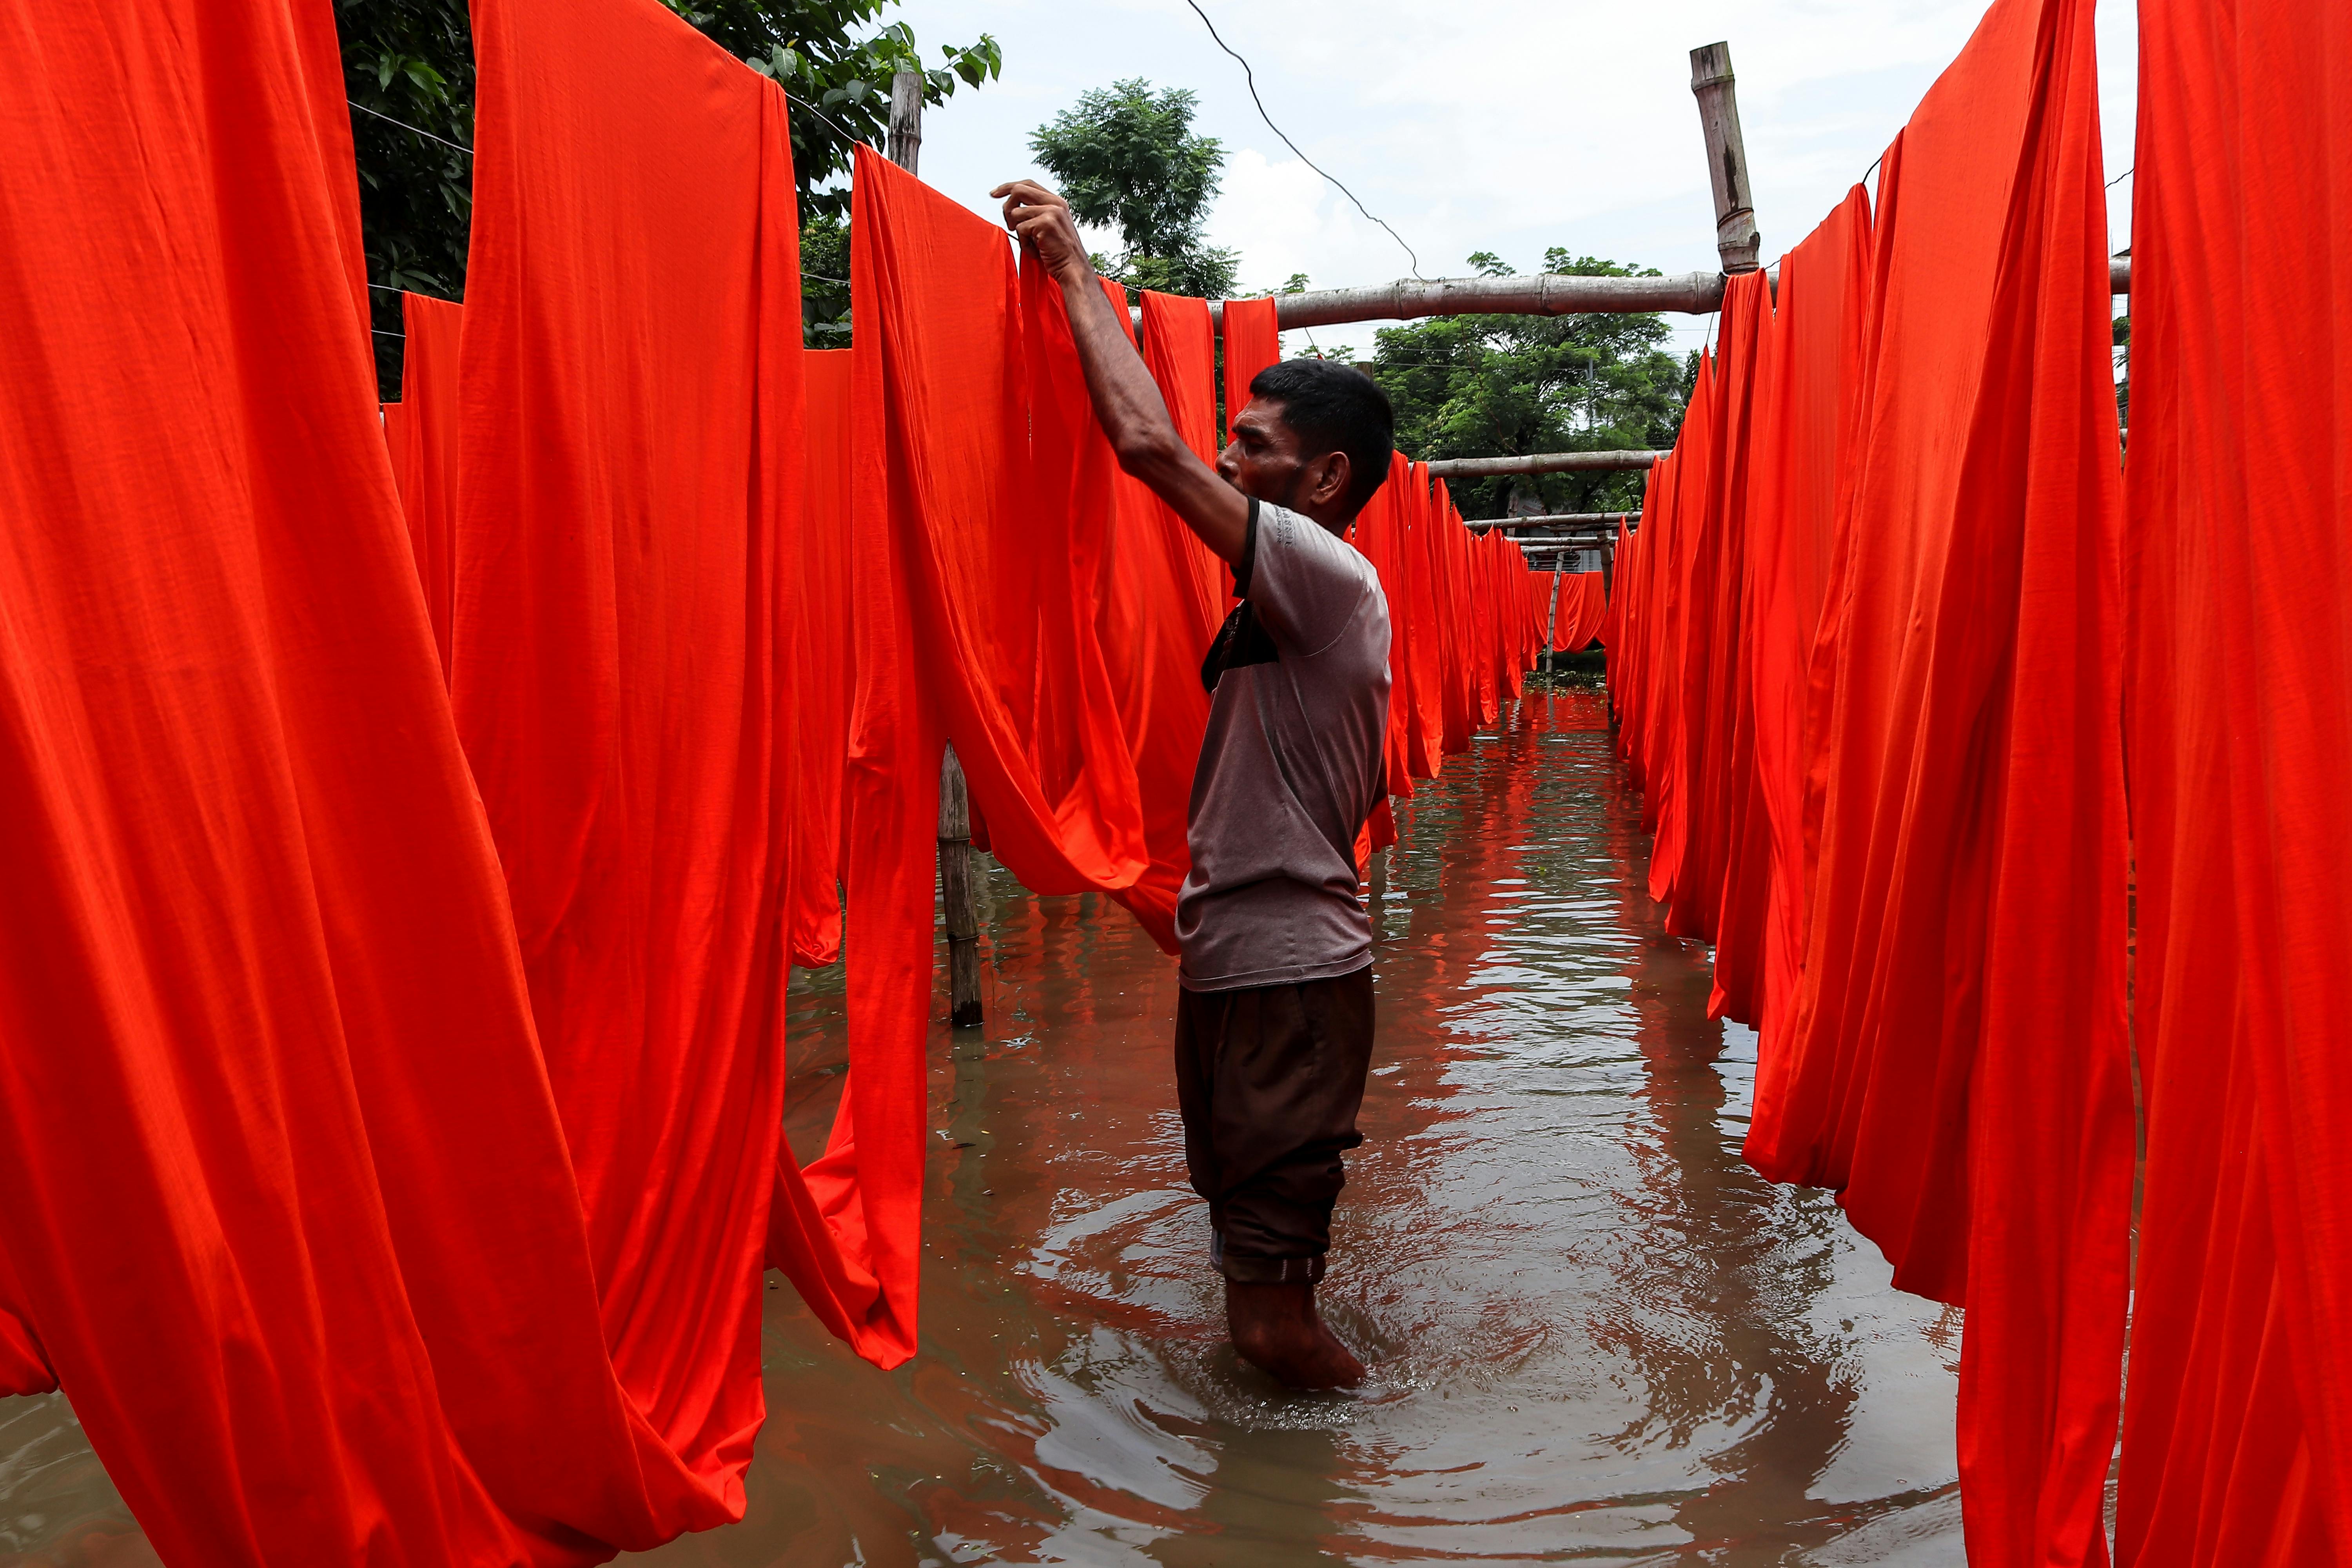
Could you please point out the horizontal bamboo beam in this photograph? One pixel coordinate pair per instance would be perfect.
(1554, 519)
(1546, 294)
(1539, 463)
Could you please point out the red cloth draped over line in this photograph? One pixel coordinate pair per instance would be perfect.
(1952, 1059)
(1417, 631)
(631, 457)
(821, 683)
(1252, 342)
(1382, 534)
(422, 434)
(972, 619)
(1161, 592)
(311, 1264)
(1726, 874)
(2237, 1441)
(1579, 612)
(1800, 441)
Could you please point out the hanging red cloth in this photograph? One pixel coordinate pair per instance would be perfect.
(1958, 1066)
(1803, 434)
(821, 682)
(1679, 534)
(424, 440)
(1582, 607)
(972, 619)
(1162, 592)
(2237, 1446)
(1383, 537)
(630, 457)
(1726, 900)
(310, 1263)
(1252, 342)
(1423, 627)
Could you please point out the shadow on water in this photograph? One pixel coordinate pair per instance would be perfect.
(1596, 1335)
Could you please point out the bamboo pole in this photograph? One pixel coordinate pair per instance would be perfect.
(1551, 520)
(906, 120)
(1541, 463)
(1736, 239)
(959, 901)
(1692, 293)
(1546, 294)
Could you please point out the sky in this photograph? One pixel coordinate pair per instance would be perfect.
(1502, 125)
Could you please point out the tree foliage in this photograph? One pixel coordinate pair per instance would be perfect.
(412, 61)
(1126, 159)
(1483, 386)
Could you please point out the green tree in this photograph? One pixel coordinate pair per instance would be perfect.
(1481, 387)
(408, 70)
(1126, 159)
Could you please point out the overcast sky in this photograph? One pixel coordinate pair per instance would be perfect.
(1502, 125)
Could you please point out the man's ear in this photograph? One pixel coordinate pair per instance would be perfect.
(1332, 478)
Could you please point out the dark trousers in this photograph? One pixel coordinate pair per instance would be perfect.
(1269, 1081)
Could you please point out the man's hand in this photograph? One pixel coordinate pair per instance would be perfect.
(1127, 401)
(1042, 221)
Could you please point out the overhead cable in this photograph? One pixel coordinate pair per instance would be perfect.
(1251, 77)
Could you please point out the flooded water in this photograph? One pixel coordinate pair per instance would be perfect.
(1595, 1336)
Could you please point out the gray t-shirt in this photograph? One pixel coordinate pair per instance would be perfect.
(1292, 764)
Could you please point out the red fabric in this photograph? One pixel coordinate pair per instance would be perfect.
(1728, 889)
(1380, 534)
(631, 455)
(424, 440)
(310, 1263)
(1252, 342)
(2238, 1426)
(1972, 819)
(1578, 614)
(820, 685)
(1952, 1058)
(1803, 435)
(1418, 614)
(970, 621)
(1162, 592)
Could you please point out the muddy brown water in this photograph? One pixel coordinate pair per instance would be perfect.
(1595, 1335)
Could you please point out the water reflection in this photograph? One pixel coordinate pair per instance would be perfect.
(1596, 1335)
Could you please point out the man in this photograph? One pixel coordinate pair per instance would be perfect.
(1274, 1030)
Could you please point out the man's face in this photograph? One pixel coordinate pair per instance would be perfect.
(1263, 459)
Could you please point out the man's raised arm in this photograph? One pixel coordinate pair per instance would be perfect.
(1127, 401)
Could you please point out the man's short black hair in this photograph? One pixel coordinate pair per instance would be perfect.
(1335, 407)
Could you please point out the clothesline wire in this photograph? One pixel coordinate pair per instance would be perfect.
(2120, 178)
(1250, 77)
(405, 125)
(790, 102)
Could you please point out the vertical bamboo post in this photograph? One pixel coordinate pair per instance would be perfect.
(1551, 612)
(958, 896)
(1736, 239)
(959, 900)
(906, 120)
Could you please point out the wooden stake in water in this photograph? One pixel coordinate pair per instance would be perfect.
(958, 899)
